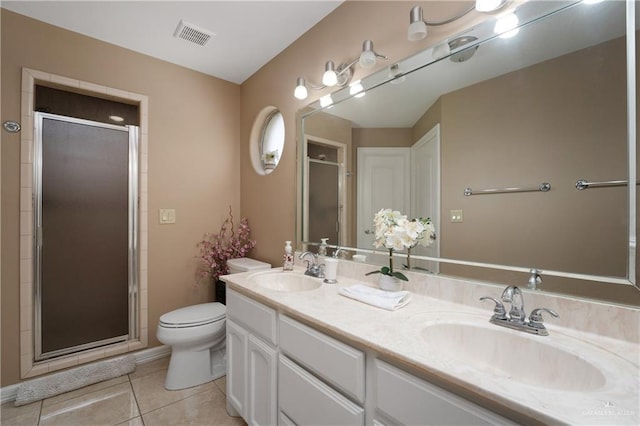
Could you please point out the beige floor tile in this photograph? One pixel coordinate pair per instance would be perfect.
(205, 408)
(151, 394)
(25, 415)
(108, 406)
(150, 367)
(83, 391)
(133, 422)
(222, 384)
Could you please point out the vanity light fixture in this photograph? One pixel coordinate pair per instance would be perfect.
(330, 77)
(301, 89)
(339, 76)
(369, 57)
(418, 26)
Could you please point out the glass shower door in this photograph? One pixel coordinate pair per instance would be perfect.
(85, 180)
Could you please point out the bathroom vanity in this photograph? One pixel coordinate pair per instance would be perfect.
(299, 353)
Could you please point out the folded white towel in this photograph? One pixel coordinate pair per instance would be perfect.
(390, 300)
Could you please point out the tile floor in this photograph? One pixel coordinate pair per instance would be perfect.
(138, 399)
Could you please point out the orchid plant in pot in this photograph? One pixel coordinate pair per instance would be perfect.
(395, 232)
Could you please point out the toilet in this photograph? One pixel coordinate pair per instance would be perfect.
(196, 335)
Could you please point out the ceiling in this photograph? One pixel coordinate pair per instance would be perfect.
(248, 34)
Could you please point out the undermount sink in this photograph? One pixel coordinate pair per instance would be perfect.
(286, 281)
(513, 355)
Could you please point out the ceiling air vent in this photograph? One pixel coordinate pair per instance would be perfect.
(192, 33)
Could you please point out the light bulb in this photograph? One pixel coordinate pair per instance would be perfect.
(368, 56)
(506, 25)
(417, 31)
(417, 28)
(489, 5)
(301, 89)
(329, 78)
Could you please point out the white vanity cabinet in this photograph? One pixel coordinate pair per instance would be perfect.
(401, 398)
(283, 372)
(251, 360)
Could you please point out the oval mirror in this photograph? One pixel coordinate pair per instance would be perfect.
(267, 140)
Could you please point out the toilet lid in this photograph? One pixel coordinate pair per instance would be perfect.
(192, 316)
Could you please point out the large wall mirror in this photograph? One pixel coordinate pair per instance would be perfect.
(489, 137)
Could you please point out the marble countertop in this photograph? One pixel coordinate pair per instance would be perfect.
(396, 336)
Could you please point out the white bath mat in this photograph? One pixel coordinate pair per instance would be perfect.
(75, 378)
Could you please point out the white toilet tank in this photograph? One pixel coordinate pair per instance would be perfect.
(242, 264)
(245, 264)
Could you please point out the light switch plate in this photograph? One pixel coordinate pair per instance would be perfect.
(167, 216)
(456, 216)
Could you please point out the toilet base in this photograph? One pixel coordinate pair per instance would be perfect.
(193, 368)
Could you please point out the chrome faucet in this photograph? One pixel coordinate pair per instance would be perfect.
(513, 295)
(535, 279)
(517, 318)
(338, 251)
(313, 268)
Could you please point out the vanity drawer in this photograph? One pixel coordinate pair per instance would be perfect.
(305, 400)
(337, 363)
(260, 319)
(405, 399)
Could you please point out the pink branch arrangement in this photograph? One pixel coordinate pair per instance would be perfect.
(216, 249)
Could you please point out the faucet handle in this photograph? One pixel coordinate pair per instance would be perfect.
(535, 319)
(498, 311)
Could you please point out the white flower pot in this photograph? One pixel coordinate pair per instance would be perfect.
(389, 283)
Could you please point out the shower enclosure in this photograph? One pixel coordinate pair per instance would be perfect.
(85, 244)
(325, 193)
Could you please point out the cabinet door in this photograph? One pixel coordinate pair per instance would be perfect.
(237, 340)
(262, 408)
(406, 399)
(305, 400)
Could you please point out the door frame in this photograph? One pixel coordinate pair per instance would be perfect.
(28, 366)
(431, 137)
(343, 189)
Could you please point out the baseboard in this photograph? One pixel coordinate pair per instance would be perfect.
(9, 393)
(152, 354)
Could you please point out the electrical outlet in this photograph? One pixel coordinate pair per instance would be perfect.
(167, 216)
(456, 216)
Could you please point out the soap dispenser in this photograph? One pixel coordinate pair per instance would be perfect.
(287, 257)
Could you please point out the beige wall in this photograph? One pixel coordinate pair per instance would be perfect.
(194, 152)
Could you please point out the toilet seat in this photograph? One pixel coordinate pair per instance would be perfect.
(194, 316)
